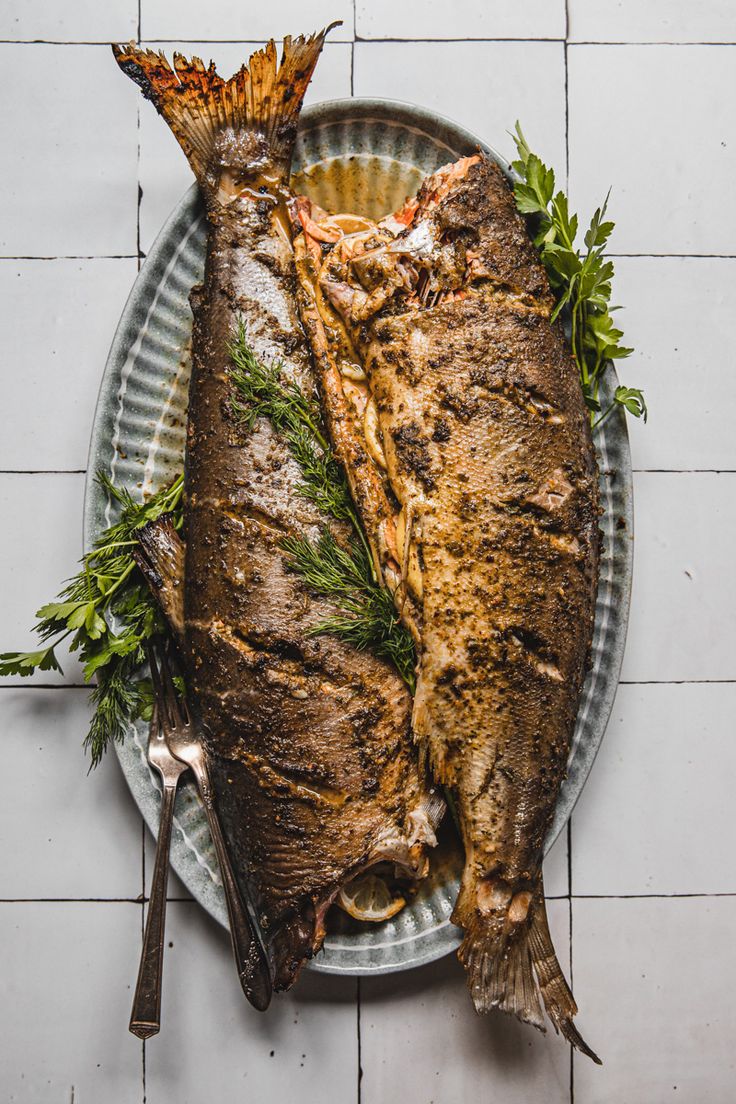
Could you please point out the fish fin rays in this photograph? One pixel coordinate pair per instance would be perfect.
(209, 116)
(512, 966)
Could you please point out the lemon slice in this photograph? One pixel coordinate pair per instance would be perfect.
(367, 897)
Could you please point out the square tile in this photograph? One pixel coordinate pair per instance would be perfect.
(656, 814)
(668, 147)
(96, 852)
(462, 19)
(556, 882)
(683, 605)
(228, 19)
(419, 1031)
(41, 523)
(654, 978)
(164, 172)
(478, 85)
(72, 125)
(677, 315)
(82, 21)
(654, 21)
(68, 972)
(60, 317)
(214, 1046)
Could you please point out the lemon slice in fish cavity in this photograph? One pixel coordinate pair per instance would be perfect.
(367, 897)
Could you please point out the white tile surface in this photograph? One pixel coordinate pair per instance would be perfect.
(422, 1042)
(164, 172)
(67, 974)
(555, 868)
(652, 21)
(216, 1047)
(678, 314)
(82, 21)
(230, 19)
(660, 128)
(46, 852)
(656, 815)
(41, 523)
(683, 606)
(461, 19)
(70, 120)
(59, 322)
(654, 978)
(438, 74)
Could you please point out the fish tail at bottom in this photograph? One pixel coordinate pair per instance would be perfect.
(510, 961)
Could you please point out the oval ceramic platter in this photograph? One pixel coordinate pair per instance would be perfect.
(364, 156)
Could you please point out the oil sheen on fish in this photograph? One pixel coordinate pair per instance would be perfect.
(309, 739)
(455, 404)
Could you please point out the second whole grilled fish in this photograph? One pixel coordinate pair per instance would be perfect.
(456, 407)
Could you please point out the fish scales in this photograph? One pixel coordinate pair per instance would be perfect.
(309, 739)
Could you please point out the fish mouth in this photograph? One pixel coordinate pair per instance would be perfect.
(405, 851)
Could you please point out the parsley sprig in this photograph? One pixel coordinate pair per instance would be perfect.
(580, 280)
(368, 617)
(109, 613)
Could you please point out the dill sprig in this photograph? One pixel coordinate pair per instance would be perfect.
(261, 391)
(109, 613)
(580, 281)
(368, 617)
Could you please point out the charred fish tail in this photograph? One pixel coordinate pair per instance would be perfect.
(510, 961)
(211, 117)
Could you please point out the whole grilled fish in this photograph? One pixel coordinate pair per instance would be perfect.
(455, 405)
(309, 739)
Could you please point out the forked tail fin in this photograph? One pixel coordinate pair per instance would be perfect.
(511, 963)
(209, 116)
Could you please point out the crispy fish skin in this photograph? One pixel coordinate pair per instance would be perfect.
(488, 453)
(309, 740)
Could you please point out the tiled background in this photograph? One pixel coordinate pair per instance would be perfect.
(640, 94)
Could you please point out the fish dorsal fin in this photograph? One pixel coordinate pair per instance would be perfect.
(229, 125)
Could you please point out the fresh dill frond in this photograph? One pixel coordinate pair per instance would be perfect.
(261, 391)
(580, 281)
(368, 617)
(109, 613)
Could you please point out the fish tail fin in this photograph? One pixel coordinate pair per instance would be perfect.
(209, 115)
(510, 961)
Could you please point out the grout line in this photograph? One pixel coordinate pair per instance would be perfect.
(676, 682)
(358, 1024)
(43, 471)
(352, 68)
(343, 41)
(68, 257)
(141, 901)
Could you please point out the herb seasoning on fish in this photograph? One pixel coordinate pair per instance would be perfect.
(308, 737)
(468, 448)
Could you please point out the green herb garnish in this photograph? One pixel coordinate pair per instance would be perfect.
(369, 618)
(581, 282)
(108, 589)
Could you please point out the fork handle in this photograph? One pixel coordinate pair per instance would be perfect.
(145, 1017)
(250, 959)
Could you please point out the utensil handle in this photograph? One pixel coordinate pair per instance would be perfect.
(250, 959)
(145, 1017)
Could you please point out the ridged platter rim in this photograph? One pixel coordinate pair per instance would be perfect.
(187, 859)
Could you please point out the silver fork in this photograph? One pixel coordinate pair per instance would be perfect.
(183, 742)
(145, 1017)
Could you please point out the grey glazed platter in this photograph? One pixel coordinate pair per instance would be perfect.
(364, 156)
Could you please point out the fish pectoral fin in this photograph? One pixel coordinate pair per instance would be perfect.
(209, 116)
(510, 961)
(160, 557)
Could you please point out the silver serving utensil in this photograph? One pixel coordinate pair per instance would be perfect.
(184, 743)
(145, 1017)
